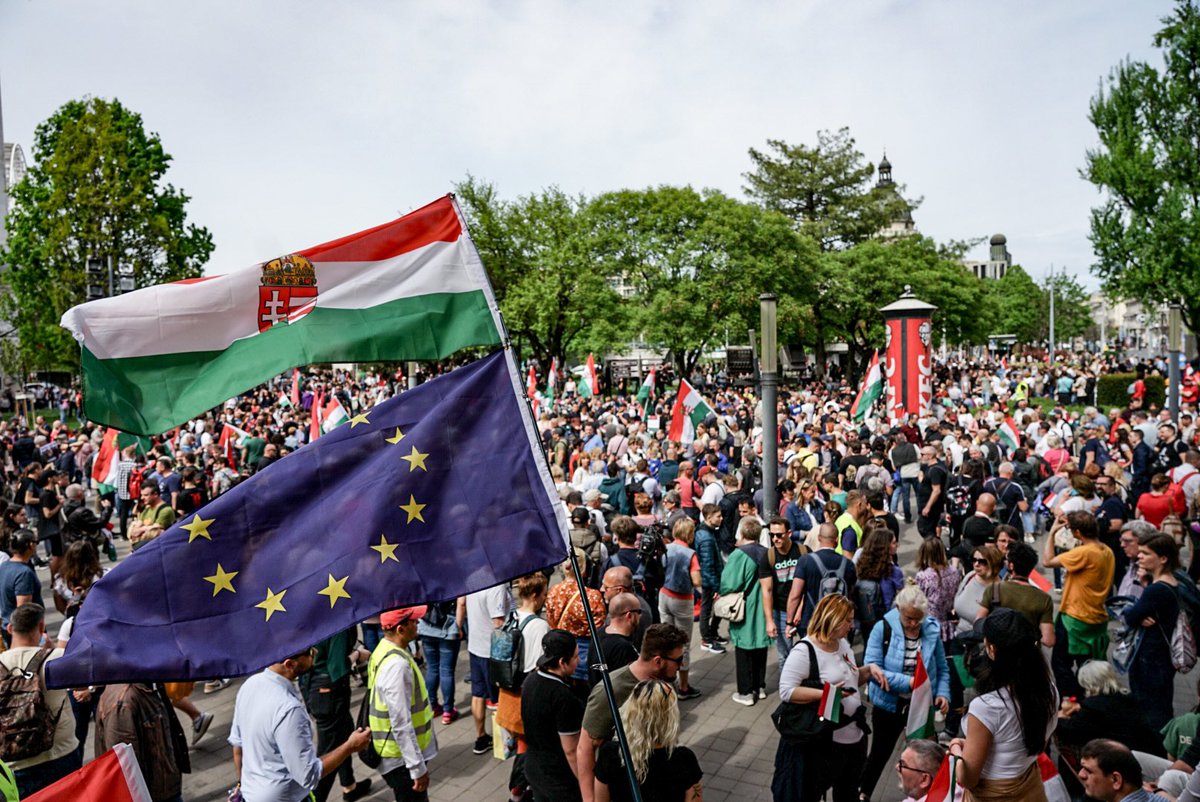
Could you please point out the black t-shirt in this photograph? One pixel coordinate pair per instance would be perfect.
(1009, 496)
(49, 527)
(856, 461)
(1111, 509)
(932, 476)
(619, 652)
(979, 530)
(889, 521)
(549, 709)
(667, 779)
(783, 568)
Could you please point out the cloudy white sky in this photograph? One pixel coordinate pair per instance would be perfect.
(295, 122)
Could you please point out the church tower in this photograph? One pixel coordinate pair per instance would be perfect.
(903, 225)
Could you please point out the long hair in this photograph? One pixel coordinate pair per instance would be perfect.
(875, 561)
(1020, 669)
(651, 719)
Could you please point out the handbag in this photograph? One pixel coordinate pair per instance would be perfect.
(1125, 648)
(731, 607)
(801, 724)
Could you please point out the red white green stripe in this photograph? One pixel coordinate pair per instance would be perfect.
(333, 414)
(647, 388)
(1009, 433)
(589, 375)
(870, 392)
(412, 289)
(920, 707)
(830, 708)
(943, 787)
(689, 411)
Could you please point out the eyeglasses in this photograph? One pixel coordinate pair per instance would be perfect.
(901, 767)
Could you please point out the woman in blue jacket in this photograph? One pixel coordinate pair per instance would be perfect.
(910, 632)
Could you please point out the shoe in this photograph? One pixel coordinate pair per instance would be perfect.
(761, 693)
(361, 789)
(483, 745)
(200, 726)
(713, 647)
(491, 705)
(691, 693)
(437, 710)
(450, 715)
(746, 699)
(720, 640)
(215, 685)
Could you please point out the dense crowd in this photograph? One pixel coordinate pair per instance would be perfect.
(679, 552)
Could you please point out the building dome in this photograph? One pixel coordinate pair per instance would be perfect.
(884, 164)
(999, 239)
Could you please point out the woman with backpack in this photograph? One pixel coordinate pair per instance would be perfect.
(1156, 612)
(875, 569)
(441, 633)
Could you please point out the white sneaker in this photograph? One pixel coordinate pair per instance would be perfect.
(200, 726)
(746, 699)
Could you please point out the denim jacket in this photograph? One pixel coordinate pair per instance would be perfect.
(932, 653)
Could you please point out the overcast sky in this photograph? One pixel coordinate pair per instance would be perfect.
(292, 123)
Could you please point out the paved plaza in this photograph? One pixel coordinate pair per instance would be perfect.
(734, 744)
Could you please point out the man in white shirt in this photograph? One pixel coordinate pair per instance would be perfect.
(272, 736)
(486, 612)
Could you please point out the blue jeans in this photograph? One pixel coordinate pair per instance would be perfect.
(902, 494)
(782, 646)
(441, 655)
(35, 778)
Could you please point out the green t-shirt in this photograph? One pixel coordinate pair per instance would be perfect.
(254, 447)
(597, 716)
(1179, 733)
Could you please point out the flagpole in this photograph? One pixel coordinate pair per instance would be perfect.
(597, 649)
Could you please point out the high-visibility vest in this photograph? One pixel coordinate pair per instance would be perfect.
(8, 784)
(844, 520)
(420, 709)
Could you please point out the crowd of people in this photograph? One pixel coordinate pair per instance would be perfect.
(680, 553)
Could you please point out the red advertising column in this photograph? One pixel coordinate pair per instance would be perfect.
(907, 366)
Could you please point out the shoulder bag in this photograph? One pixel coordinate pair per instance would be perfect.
(802, 724)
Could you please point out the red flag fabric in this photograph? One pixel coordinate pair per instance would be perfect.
(942, 789)
(295, 388)
(113, 777)
(593, 379)
(314, 428)
(531, 383)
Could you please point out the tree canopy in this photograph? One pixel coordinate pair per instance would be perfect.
(95, 189)
(1146, 232)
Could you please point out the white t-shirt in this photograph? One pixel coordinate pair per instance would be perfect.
(1007, 758)
(482, 607)
(833, 667)
(531, 640)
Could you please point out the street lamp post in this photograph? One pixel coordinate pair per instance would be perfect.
(768, 365)
(1174, 332)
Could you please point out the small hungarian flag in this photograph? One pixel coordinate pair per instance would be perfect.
(1038, 581)
(295, 387)
(589, 375)
(231, 440)
(830, 708)
(552, 380)
(647, 389)
(333, 415)
(104, 469)
(314, 426)
(920, 707)
(113, 777)
(1052, 782)
(1009, 433)
(284, 401)
(688, 413)
(943, 787)
(1004, 363)
(870, 392)
(531, 383)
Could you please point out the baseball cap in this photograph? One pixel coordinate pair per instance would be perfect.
(580, 515)
(557, 644)
(394, 618)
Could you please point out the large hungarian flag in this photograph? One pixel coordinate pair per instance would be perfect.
(688, 413)
(108, 458)
(411, 289)
(870, 392)
(647, 388)
(113, 777)
(920, 707)
(589, 375)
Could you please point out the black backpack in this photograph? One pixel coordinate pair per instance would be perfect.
(26, 724)
(506, 659)
(958, 499)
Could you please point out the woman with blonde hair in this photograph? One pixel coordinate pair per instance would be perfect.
(804, 772)
(664, 770)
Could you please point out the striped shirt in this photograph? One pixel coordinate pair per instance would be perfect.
(124, 468)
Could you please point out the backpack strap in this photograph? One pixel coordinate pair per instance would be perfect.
(995, 595)
(841, 569)
(887, 636)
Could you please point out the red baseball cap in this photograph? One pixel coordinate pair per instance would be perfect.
(394, 618)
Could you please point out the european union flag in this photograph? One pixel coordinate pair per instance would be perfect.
(431, 495)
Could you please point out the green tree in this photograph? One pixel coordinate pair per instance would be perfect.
(555, 297)
(872, 274)
(1072, 308)
(698, 262)
(827, 192)
(1018, 305)
(95, 189)
(1146, 233)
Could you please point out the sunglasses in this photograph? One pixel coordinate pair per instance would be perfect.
(979, 561)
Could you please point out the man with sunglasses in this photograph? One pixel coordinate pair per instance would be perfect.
(660, 658)
(624, 618)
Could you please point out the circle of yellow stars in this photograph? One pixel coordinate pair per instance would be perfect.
(335, 589)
